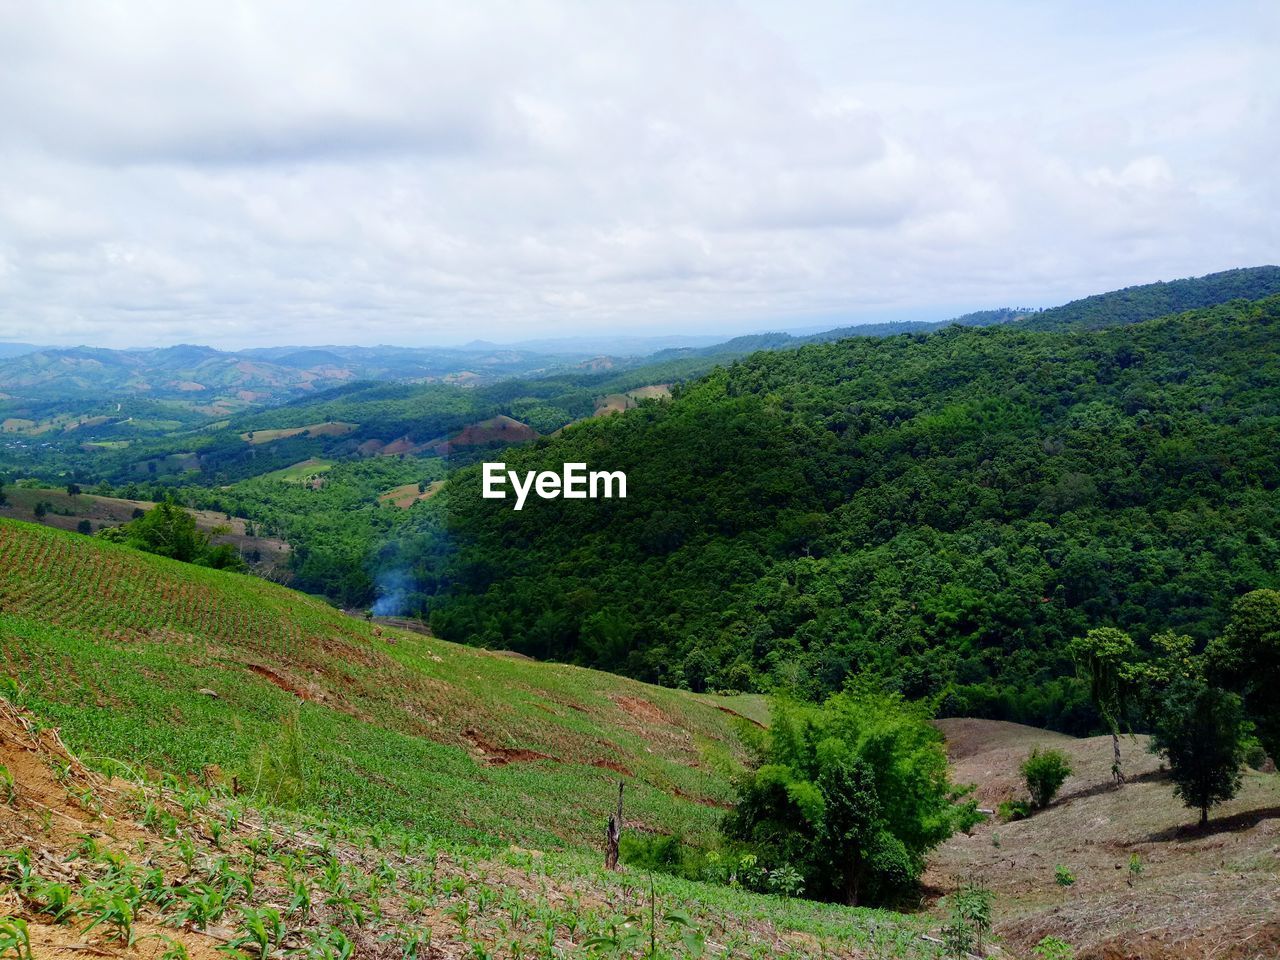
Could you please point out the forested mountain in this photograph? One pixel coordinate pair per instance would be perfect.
(945, 511)
(1134, 304)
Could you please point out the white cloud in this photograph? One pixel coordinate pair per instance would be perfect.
(320, 172)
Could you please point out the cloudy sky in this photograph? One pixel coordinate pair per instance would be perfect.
(275, 172)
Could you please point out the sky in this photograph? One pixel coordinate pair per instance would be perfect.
(243, 174)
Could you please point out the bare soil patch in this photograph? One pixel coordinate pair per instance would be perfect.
(1199, 895)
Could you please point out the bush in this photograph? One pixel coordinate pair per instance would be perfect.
(1051, 948)
(1044, 772)
(1013, 810)
(1063, 877)
(852, 795)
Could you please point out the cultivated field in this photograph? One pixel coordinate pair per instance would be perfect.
(66, 511)
(444, 802)
(183, 668)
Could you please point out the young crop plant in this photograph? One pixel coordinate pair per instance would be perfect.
(54, 899)
(1135, 868)
(202, 905)
(15, 938)
(117, 913)
(1063, 877)
(1051, 948)
(969, 919)
(262, 931)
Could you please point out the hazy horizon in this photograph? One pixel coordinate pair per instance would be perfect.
(429, 174)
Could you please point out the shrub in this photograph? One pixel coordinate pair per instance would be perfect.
(852, 794)
(1044, 772)
(969, 920)
(1062, 876)
(1013, 810)
(1051, 948)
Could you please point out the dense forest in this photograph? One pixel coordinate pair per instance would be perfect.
(1134, 304)
(944, 511)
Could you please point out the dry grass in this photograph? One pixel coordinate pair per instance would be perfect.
(1211, 895)
(406, 495)
(333, 429)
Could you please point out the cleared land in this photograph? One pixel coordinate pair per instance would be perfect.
(304, 471)
(195, 869)
(618, 402)
(406, 495)
(1210, 895)
(67, 511)
(330, 429)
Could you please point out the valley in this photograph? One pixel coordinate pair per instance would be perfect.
(839, 608)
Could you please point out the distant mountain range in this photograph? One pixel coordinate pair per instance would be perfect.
(217, 382)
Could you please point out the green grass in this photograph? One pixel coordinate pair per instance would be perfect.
(192, 860)
(396, 734)
(299, 472)
(115, 646)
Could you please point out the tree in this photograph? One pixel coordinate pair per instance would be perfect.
(1044, 772)
(73, 489)
(40, 510)
(1105, 658)
(168, 530)
(853, 794)
(1246, 658)
(84, 526)
(1200, 730)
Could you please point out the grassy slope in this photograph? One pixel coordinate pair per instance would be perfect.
(401, 731)
(115, 647)
(390, 896)
(102, 512)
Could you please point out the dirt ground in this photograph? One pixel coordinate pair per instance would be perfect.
(1206, 895)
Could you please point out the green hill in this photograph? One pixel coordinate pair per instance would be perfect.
(178, 669)
(281, 778)
(944, 511)
(1151, 300)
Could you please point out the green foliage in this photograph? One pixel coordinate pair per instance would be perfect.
(1052, 948)
(1063, 877)
(1246, 658)
(943, 511)
(1134, 304)
(853, 794)
(1044, 772)
(1135, 868)
(277, 772)
(1010, 810)
(169, 531)
(1104, 657)
(14, 936)
(969, 920)
(1200, 731)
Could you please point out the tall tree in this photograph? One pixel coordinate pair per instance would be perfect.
(1105, 657)
(1200, 731)
(1246, 658)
